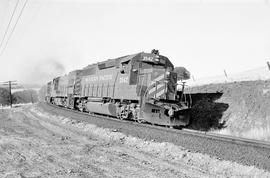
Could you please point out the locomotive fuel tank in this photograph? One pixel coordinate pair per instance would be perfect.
(101, 108)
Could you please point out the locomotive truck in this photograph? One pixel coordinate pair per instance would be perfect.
(140, 87)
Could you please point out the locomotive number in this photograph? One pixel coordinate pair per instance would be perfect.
(146, 58)
(123, 80)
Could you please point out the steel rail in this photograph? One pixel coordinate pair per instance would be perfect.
(214, 136)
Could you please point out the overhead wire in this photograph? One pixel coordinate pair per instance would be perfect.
(14, 27)
(8, 26)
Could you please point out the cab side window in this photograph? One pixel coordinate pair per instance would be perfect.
(125, 67)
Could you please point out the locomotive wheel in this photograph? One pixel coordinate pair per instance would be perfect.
(121, 117)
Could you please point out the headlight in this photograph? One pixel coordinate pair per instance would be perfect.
(156, 58)
(171, 112)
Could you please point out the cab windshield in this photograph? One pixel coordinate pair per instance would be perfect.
(148, 65)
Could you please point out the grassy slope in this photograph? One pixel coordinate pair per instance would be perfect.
(248, 114)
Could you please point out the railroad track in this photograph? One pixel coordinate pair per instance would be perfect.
(243, 151)
(214, 136)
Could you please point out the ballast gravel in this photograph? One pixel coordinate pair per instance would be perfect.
(242, 154)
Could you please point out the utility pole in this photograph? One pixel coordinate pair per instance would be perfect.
(193, 78)
(225, 73)
(10, 84)
(226, 76)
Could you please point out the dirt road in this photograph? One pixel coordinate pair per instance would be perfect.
(38, 144)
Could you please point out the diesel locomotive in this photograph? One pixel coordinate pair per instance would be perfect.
(140, 87)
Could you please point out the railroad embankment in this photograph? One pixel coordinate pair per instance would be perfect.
(36, 143)
(237, 108)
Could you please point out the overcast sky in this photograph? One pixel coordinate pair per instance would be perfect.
(54, 37)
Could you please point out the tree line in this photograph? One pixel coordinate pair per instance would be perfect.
(25, 96)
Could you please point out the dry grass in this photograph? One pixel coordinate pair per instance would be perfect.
(261, 133)
(258, 133)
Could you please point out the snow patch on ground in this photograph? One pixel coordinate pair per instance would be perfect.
(164, 150)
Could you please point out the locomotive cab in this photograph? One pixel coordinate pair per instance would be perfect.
(157, 87)
(155, 73)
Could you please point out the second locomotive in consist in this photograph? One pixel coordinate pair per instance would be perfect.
(141, 87)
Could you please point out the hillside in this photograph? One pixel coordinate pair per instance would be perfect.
(248, 111)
